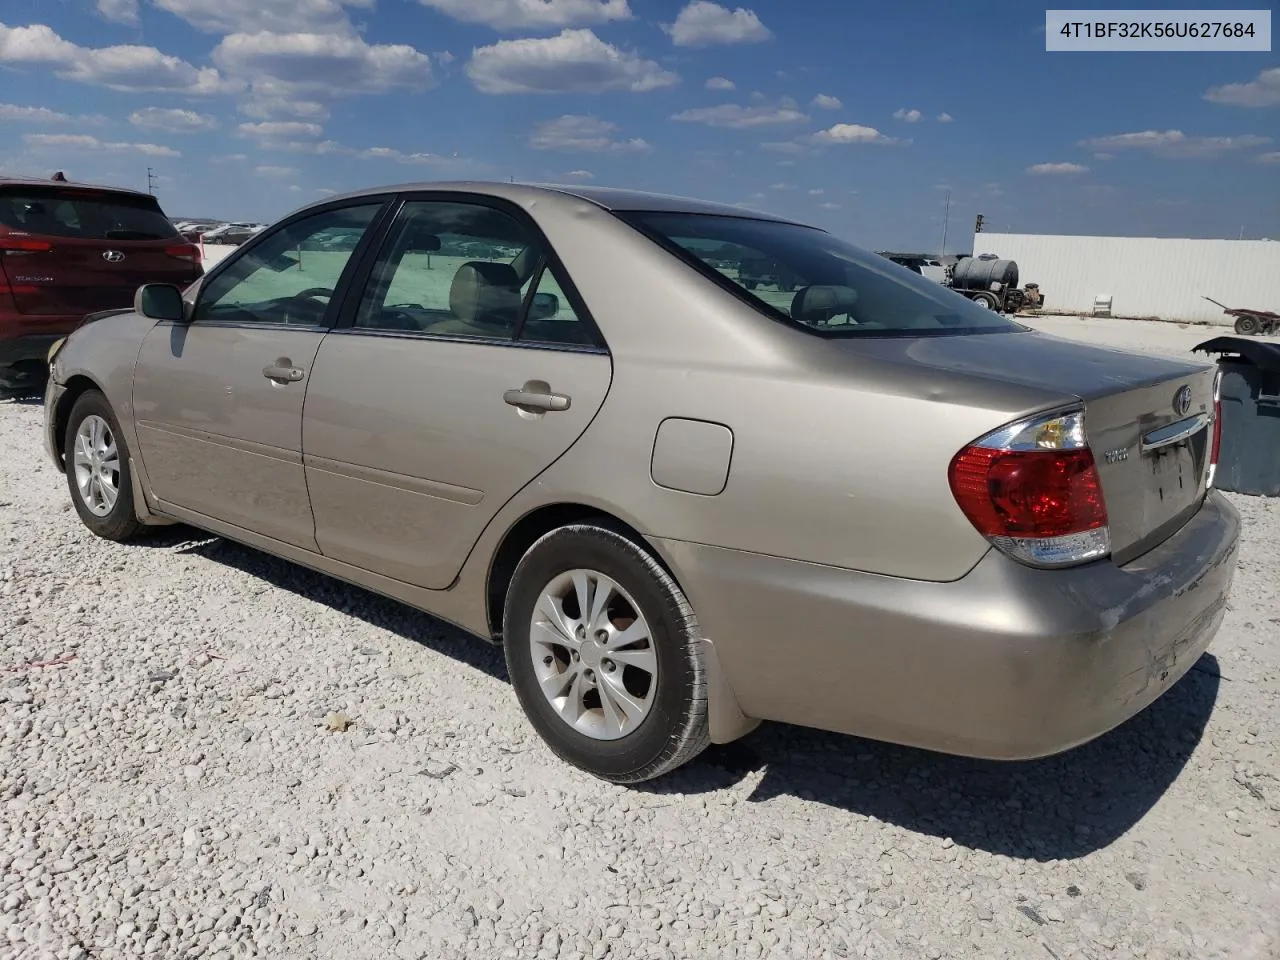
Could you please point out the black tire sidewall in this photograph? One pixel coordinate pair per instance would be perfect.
(121, 522)
(589, 547)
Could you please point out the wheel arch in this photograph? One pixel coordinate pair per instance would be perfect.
(726, 721)
(76, 386)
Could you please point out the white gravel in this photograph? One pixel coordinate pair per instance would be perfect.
(170, 790)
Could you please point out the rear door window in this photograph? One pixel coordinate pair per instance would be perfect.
(83, 216)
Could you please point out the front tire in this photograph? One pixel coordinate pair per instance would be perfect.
(96, 462)
(986, 301)
(603, 651)
(1247, 325)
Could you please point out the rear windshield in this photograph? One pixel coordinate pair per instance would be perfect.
(84, 216)
(808, 277)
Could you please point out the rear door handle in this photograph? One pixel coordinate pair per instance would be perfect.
(282, 371)
(536, 399)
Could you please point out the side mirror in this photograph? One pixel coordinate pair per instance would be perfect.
(544, 306)
(159, 301)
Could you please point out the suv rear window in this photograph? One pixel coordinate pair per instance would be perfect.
(83, 215)
(807, 277)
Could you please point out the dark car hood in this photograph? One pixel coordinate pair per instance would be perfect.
(1030, 359)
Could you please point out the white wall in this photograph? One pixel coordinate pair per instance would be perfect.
(1145, 277)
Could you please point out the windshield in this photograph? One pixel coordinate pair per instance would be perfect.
(808, 277)
(84, 216)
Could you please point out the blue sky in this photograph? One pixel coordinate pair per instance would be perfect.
(854, 116)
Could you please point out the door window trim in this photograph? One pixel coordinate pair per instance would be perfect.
(548, 259)
(372, 238)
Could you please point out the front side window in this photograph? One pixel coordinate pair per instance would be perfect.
(810, 278)
(285, 278)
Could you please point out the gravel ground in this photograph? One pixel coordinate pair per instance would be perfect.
(168, 787)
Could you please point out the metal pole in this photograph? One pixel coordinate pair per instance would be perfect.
(151, 180)
(945, 217)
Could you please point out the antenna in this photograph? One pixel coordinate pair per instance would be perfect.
(151, 181)
(946, 216)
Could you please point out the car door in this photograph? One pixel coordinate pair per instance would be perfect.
(463, 372)
(218, 400)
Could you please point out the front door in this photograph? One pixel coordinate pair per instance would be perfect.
(466, 371)
(218, 401)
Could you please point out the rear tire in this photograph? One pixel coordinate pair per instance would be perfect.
(96, 462)
(621, 695)
(1247, 325)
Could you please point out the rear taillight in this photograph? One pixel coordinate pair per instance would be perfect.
(17, 246)
(1216, 444)
(184, 251)
(1032, 489)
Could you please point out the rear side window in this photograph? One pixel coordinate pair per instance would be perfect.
(83, 216)
(807, 277)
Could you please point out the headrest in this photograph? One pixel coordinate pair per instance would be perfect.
(484, 292)
(819, 303)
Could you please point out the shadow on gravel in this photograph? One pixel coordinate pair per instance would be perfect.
(1057, 808)
(372, 608)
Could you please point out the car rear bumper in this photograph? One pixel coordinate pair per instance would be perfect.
(1006, 663)
(32, 346)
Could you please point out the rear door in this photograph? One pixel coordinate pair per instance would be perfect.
(69, 251)
(447, 391)
(218, 401)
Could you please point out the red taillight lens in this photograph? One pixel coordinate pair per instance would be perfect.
(184, 251)
(1038, 493)
(21, 245)
(1033, 490)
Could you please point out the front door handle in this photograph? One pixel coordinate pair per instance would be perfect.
(282, 371)
(533, 399)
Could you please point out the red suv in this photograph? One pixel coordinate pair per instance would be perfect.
(71, 249)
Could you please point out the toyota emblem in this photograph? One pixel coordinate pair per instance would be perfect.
(1182, 401)
(112, 256)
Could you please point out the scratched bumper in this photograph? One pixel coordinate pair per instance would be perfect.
(1005, 663)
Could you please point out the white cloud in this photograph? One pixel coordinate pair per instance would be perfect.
(294, 188)
(824, 102)
(1264, 91)
(129, 68)
(326, 192)
(173, 121)
(843, 133)
(251, 16)
(945, 118)
(739, 117)
(829, 205)
(907, 116)
(279, 130)
(721, 83)
(573, 61)
(10, 112)
(816, 192)
(1103, 156)
(410, 158)
(1269, 158)
(267, 106)
(79, 141)
(120, 11)
(1174, 143)
(532, 14)
(322, 62)
(1056, 169)
(229, 158)
(580, 175)
(782, 186)
(786, 146)
(703, 23)
(572, 132)
(268, 170)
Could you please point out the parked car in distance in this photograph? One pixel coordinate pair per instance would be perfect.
(233, 233)
(680, 506)
(69, 249)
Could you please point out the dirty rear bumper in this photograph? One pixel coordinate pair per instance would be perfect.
(1005, 663)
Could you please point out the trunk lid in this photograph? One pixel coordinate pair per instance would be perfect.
(73, 251)
(1152, 455)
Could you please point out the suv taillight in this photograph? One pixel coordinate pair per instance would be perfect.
(184, 251)
(1216, 443)
(17, 246)
(1032, 489)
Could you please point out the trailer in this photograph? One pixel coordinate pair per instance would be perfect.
(993, 283)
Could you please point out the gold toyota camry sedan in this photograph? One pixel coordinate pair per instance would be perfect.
(683, 502)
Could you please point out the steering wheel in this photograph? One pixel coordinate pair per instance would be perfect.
(310, 294)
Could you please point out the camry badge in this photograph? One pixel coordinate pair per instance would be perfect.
(1182, 401)
(112, 256)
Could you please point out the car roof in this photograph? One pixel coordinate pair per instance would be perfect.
(9, 179)
(609, 198)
